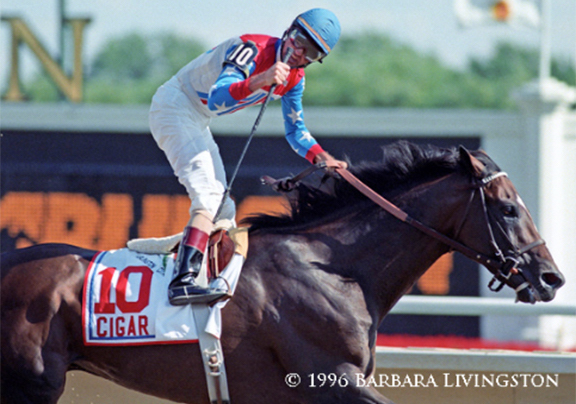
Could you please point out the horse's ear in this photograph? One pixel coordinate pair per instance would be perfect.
(471, 163)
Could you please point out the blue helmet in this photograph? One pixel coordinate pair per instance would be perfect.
(322, 25)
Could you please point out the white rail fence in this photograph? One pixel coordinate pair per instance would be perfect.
(477, 306)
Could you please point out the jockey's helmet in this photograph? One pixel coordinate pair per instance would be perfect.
(321, 26)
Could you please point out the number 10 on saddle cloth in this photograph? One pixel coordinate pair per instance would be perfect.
(126, 303)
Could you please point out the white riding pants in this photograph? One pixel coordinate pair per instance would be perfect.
(182, 132)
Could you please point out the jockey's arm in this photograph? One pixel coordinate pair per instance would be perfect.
(298, 136)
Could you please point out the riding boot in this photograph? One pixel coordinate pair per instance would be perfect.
(184, 289)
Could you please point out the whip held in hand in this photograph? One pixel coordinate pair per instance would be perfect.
(256, 123)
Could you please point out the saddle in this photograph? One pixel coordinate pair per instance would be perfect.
(220, 251)
(224, 241)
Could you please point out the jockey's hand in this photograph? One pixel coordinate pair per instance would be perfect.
(277, 74)
(331, 163)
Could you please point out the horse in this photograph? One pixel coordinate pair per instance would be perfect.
(315, 286)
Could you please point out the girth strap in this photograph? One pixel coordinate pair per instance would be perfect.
(212, 357)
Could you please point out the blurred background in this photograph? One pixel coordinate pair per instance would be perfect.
(393, 54)
(79, 166)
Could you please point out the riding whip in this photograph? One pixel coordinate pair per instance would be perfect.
(256, 123)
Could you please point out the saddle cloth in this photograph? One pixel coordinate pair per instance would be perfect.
(126, 300)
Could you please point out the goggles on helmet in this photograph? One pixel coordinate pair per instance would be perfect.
(300, 40)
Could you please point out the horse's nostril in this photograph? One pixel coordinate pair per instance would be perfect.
(552, 279)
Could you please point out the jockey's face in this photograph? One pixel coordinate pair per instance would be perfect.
(304, 50)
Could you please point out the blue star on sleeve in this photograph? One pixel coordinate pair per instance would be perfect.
(297, 135)
(295, 116)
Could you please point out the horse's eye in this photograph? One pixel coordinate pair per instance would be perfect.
(509, 211)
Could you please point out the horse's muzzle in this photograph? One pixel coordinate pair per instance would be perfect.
(550, 282)
(541, 289)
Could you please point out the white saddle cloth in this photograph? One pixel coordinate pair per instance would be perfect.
(126, 300)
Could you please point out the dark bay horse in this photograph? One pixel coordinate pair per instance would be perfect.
(315, 287)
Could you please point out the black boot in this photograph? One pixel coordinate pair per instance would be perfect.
(184, 289)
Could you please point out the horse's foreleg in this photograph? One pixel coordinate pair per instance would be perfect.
(31, 374)
(35, 356)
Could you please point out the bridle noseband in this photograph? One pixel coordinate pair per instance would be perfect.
(502, 265)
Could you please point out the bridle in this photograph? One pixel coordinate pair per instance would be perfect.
(507, 263)
(502, 265)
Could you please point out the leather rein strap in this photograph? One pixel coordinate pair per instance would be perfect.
(404, 217)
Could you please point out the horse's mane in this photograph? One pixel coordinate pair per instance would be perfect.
(403, 165)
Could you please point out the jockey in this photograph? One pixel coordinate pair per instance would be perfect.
(235, 74)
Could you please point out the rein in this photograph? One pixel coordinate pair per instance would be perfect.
(404, 217)
(502, 267)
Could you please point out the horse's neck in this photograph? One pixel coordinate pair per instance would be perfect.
(390, 256)
(413, 256)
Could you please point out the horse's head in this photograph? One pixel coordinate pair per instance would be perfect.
(519, 257)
